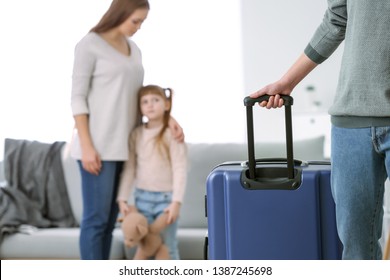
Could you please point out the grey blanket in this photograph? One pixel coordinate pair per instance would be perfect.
(35, 193)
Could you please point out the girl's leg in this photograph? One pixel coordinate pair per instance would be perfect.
(169, 236)
(99, 210)
(152, 204)
(144, 203)
(358, 176)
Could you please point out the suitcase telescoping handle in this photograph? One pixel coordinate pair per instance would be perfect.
(270, 178)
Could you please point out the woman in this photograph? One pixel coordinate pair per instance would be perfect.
(107, 74)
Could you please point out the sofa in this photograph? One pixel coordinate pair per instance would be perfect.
(63, 242)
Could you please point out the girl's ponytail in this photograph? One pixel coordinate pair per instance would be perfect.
(162, 145)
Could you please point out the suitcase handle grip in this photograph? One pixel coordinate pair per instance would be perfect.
(276, 177)
(297, 162)
(249, 101)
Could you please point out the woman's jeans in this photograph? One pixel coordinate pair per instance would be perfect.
(360, 164)
(151, 205)
(100, 210)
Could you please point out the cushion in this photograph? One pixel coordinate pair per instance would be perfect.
(52, 243)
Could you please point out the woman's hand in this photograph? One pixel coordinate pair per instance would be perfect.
(173, 211)
(177, 130)
(91, 160)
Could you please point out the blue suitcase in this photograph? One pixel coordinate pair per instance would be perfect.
(273, 209)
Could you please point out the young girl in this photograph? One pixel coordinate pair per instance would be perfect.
(157, 165)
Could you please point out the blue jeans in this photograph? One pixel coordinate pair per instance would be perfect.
(360, 165)
(152, 204)
(100, 210)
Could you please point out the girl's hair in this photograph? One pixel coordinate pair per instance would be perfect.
(166, 93)
(117, 13)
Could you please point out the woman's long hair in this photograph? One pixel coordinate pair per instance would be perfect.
(117, 13)
(166, 93)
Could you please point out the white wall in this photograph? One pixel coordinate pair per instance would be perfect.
(211, 52)
(195, 48)
(274, 34)
(36, 57)
(192, 46)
